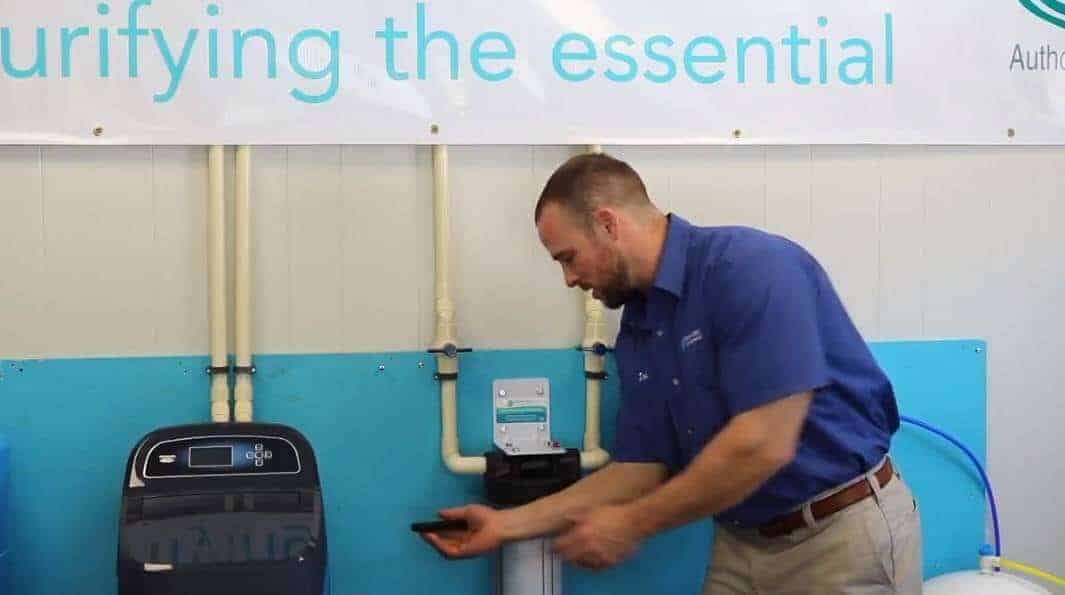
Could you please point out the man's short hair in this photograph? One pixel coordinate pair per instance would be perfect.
(587, 181)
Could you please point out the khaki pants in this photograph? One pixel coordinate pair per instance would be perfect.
(871, 547)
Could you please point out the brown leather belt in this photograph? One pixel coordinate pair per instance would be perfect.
(828, 505)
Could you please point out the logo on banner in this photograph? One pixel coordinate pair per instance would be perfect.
(1046, 57)
(1051, 11)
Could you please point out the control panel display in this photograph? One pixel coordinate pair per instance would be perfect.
(210, 456)
(221, 455)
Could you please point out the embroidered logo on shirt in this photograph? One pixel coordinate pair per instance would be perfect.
(691, 339)
(642, 376)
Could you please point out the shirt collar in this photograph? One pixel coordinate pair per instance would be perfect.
(673, 263)
(669, 277)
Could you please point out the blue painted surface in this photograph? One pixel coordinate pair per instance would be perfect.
(943, 383)
(5, 464)
(72, 423)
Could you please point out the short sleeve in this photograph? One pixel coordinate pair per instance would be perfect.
(766, 325)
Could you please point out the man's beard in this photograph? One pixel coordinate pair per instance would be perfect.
(617, 290)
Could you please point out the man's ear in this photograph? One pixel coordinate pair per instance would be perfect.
(606, 219)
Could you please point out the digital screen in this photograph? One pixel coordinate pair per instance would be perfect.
(210, 456)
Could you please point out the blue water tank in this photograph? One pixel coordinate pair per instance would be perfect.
(5, 474)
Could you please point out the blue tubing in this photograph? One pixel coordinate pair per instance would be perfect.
(979, 467)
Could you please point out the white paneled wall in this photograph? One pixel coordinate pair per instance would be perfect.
(22, 246)
(103, 254)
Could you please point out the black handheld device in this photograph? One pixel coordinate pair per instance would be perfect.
(445, 525)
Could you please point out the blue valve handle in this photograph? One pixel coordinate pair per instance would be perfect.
(597, 348)
(451, 350)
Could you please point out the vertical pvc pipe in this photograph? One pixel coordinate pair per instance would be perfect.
(216, 280)
(593, 456)
(242, 392)
(445, 323)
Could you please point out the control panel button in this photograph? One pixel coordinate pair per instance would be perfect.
(260, 455)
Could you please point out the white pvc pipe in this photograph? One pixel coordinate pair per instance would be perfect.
(449, 441)
(242, 391)
(445, 324)
(216, 280)
(593, 456)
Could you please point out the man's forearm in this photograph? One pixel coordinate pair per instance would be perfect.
(616, 483)
(732, 466)
(712, 483)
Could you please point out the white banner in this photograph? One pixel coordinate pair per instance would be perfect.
(524, 72)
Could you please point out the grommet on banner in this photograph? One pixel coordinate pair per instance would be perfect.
(1011, 133)
(98, 131)
(737, 133)
(434, 129)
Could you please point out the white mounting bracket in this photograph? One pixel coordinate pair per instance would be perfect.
(521, 416)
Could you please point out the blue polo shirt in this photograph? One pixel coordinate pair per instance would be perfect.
(737, 318)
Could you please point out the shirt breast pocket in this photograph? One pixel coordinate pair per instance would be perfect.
(700, 367)
(633, 356)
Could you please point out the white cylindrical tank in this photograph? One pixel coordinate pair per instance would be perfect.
(975, 582)
(529, 567)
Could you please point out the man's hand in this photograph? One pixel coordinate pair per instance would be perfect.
(601, 538)
(485, 533)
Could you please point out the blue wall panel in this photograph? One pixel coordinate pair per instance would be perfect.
(72, 423)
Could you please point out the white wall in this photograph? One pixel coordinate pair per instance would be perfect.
(103, 254)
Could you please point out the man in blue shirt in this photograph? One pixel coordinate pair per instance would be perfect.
(747, 394)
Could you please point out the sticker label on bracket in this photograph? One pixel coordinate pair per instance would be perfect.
(511, 415)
